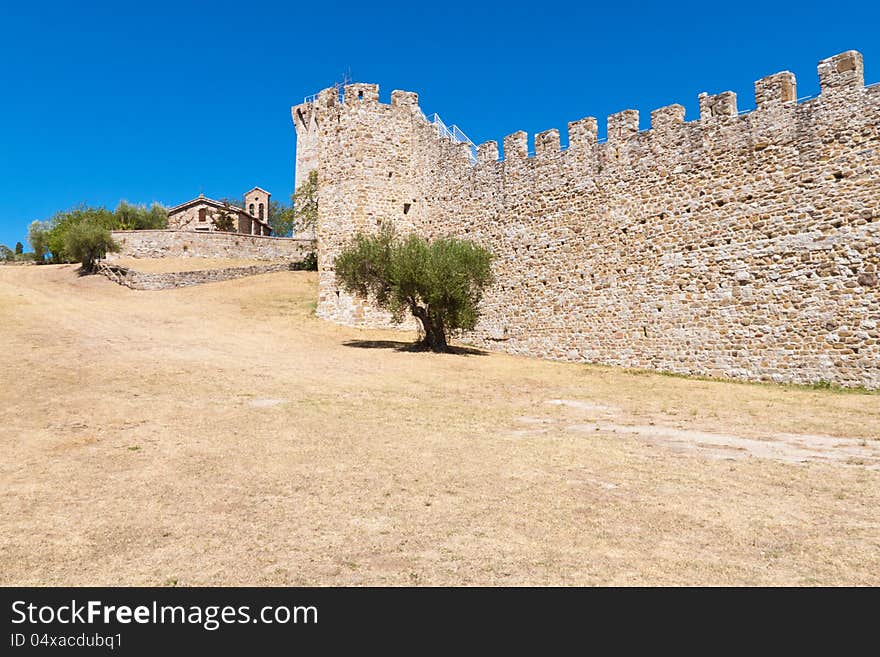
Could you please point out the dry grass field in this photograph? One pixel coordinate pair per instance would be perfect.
(223, 435)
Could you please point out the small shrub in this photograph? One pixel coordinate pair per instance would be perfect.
(309, 263)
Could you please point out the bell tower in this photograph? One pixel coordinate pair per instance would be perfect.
(256, 204)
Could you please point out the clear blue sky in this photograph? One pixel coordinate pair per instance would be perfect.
(160, 101)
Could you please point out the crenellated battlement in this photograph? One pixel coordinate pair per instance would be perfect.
(841, 74)
(732, 243)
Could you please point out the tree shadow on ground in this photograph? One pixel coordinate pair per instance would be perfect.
(411, 347)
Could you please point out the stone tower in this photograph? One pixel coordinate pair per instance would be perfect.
(256, 202)
(362, 150)
(307, 139)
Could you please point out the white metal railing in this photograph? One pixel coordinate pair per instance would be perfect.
(453, 133)
(314, 97)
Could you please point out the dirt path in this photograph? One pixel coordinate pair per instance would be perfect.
(223, 435)
(783, 447)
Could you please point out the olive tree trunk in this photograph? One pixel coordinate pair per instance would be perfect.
(435, 332)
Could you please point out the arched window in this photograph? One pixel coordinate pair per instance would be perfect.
(261, 210)
(203, 214)
(251, 208)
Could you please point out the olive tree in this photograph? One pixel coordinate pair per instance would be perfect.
(38, 238)
(438, 282)
(140, 217)
(87, 242)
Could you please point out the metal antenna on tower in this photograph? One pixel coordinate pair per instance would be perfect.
(346, 79)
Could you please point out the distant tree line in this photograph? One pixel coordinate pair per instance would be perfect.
(82, 234)
(14, 255)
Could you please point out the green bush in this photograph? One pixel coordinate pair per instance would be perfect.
(440, 282)
(87, 242)
(309, 263)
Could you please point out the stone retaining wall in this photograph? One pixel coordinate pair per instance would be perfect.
(188, 243)
(139, 280)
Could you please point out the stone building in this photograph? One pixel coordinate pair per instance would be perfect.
(739, 244)
(199, 214)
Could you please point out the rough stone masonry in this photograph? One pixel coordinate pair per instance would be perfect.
(734, 245)
(172, 243)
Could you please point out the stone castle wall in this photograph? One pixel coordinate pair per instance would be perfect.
(742, 245)
(188, 243)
